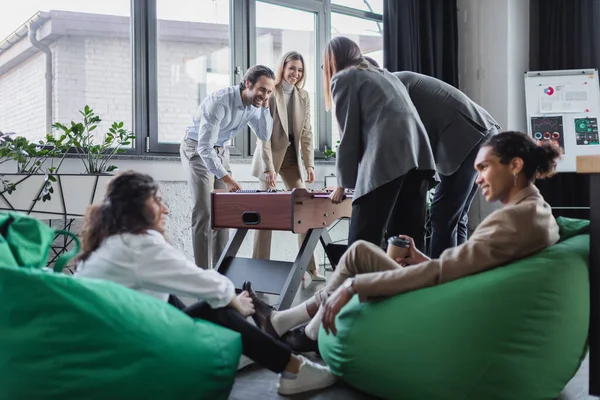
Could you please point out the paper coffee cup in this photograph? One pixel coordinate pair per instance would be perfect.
(398, 248)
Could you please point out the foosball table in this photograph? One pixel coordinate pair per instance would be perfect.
(297, 211)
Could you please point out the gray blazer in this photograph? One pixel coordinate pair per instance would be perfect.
(454, 123)
(382, 137)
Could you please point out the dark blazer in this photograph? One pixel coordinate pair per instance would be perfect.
(455, 124)
(381, 134)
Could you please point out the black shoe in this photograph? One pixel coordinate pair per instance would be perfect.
(262, 311)
(299, 342)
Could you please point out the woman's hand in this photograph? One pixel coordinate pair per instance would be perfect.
(336, 301)
(337, 196)
(414, 255)
(310, 174)
(270, 177)
(242, 303)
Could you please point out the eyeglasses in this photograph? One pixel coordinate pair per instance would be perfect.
(321, 66)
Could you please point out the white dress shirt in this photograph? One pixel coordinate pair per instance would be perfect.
(149, 264)
(219, 118)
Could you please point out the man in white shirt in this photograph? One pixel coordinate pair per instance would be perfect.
(205, 156)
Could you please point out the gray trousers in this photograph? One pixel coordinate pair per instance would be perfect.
(208, 244)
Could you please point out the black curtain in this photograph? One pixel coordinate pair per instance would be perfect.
(565, 34)
(421, 36)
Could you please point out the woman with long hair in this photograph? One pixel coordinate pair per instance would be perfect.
(123, 241)
(292, 136)
(382, 140)
(507, 166)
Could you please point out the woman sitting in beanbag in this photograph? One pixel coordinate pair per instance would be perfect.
(123, 241)
(508, 164)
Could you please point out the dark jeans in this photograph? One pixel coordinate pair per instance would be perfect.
(375, 211)
(450, 206)
(256, 345)
(412, 208)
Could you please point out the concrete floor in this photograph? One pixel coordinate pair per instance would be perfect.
(254, 382)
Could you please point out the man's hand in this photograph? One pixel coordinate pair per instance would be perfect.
(414, 255)
(333, 305)
(231, 183)
(310, 174)
(337, 196)
(270, 177)
(243, 304)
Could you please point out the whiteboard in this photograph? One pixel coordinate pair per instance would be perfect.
(564, 106)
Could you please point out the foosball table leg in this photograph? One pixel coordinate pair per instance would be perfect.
(292, 283)
(333, 251)
(231, 249)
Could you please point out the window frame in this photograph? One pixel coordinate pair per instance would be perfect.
(311, 6)
(242, 31)
(242, 34)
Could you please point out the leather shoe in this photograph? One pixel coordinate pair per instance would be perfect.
(262, 311)
(299, 342)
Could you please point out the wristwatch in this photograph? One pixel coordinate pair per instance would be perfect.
(348, 286)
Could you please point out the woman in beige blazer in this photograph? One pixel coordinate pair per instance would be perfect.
(507, 166)
(292, 136)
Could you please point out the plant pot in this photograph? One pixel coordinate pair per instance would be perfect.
(73, 193)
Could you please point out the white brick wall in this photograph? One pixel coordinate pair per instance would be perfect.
(181, 69)
(22, 99)
(97, 71)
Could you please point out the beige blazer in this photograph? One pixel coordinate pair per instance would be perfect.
(519, 229)
(268, 155)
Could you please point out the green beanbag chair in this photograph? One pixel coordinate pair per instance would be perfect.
(26, 242)
(63, 337)
(515, 332)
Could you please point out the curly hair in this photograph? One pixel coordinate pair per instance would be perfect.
(539, 160)
(123, 210)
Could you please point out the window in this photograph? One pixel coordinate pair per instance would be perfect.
(374, 6)
(193, 60)
(150, 63)
(91, 65)
(282, 29)
(368, 34)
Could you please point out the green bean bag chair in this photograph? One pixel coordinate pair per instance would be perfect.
(515, 332)
(63, 337)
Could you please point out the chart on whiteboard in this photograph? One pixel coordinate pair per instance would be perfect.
(564, 107)
(586, 131)
(555, 99)
(548, 128)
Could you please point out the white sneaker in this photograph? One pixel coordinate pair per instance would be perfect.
(316, 277)
(244, 362)
(312, 376)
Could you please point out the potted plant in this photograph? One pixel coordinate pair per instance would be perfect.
(328, 153)
(39, 188)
